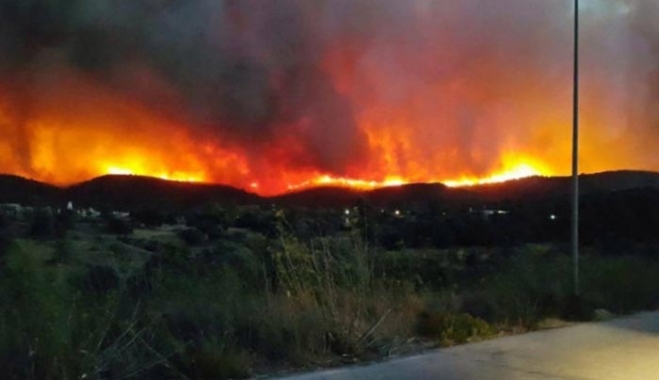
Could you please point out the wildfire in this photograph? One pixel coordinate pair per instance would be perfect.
(175, 176)
(359, 184)
(513, 171)
(327, 100)
(517, 171)
(522, 170)
(64, 150)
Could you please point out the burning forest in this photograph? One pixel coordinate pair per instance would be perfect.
(281, 95)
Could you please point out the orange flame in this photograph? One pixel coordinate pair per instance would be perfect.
(513, 170)
(107, 134)
(521, 171)
(64, 150)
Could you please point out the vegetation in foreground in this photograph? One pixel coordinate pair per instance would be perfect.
(235, 296)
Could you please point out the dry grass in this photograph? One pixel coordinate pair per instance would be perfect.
(265, 303)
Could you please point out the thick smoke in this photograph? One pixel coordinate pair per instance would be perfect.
(241, 70)
(423, 87)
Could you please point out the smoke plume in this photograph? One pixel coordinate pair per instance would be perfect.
(272, 94)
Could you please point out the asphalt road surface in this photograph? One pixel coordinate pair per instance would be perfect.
(626, 348)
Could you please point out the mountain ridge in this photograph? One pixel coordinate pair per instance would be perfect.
(129, 192)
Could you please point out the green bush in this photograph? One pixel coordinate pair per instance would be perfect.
(529, 286)
(536, 283)
(576, 308)
(43, 224)
(215, 311)
(54, 329)
(449, 328)
(621, 284)
(481, 304)
(119, 226)
(216, 359)
(193, 236)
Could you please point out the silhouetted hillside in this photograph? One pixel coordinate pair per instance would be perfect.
(418, 193)
(14, 189)
(421, 193)
(526, 189)
(128, 192)
(330, 197)
(619, 180)
(543, 187)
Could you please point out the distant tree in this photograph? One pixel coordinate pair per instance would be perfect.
(193, 236)
(150, 216)
(364, 219)
(5, 242)
(231, 213)
(43, 224)
(210, 219)
(258, 221)
(64, 221)
(118, 226)
(99, 279)
(390, 238)
(443, 235)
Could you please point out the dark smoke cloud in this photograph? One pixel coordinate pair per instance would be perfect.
(242, 69)
(246, 70)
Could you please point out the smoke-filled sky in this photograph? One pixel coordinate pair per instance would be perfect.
(272, 94)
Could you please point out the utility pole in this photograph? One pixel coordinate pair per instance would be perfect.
(575, 153)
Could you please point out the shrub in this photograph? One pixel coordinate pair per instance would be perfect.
(100, 279)
(576, 308)
(43, 224)
(211, 311)
(211, 220)
(5, 243)
(55, 329)
(216, 362)
(530, 285)
(193, 236)
(481, 305)
(118, 226)
(64, 221)
(150, 216)
(449, 328)
(4, 221)
(620, 284)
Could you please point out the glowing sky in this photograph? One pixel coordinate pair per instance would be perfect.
(273, 96)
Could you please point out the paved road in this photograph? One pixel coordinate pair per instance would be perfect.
(626, 348)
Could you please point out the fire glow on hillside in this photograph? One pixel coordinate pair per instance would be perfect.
(279, 96)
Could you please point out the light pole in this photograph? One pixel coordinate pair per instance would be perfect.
(575, 152)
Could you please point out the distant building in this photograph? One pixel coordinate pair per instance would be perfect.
(121, 214)
(486, 213)
(12, 209)
(88, 213)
